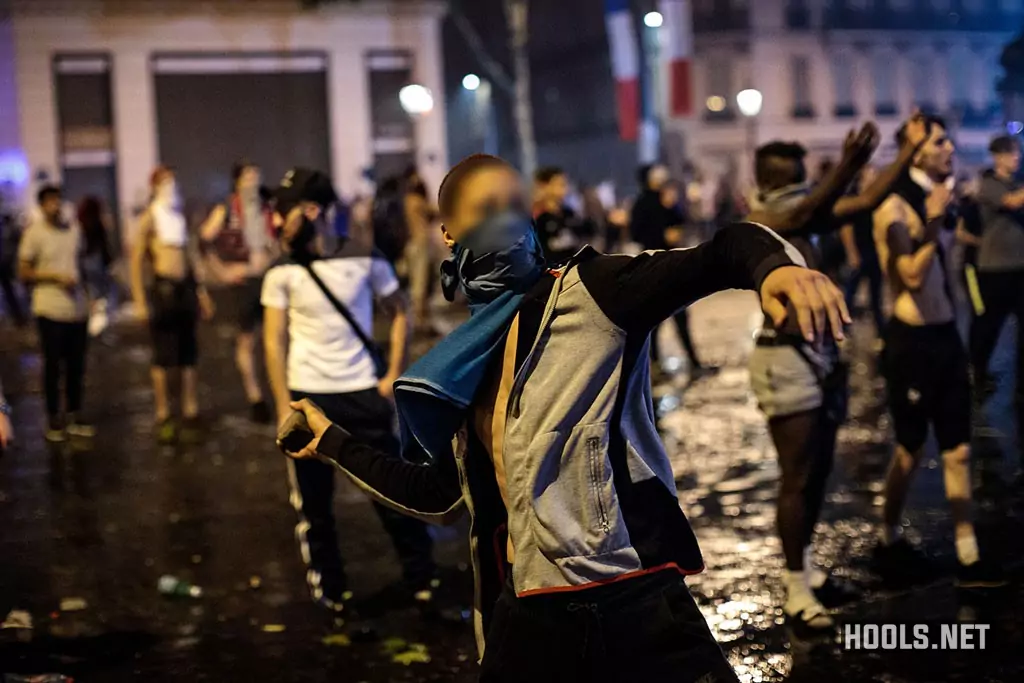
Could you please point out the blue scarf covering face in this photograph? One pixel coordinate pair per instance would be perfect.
(494, 266)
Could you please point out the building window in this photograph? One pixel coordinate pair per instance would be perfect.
(720, 78)
(842, 78)
(801, 82)
(885, 86)
(922, 75)
(960, 77)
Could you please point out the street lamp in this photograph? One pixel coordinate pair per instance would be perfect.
(749, 102)
(653, 20)
(471, 82)
(416, 99)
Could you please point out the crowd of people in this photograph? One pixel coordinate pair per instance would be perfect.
(555, 453)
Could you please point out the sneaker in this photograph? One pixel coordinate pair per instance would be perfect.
(902, 564)
(259, 412)
(165, 432)
(81, 429)
(811, 623)
(56, 435)
(980, 574)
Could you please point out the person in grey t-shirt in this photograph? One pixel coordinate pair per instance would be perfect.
(48, 259)
(1000, 260)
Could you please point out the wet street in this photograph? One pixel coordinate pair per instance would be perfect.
(89, 529)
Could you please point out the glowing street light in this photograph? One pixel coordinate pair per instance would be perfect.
(416, 99)
(471, 82)
(653, 20)
(749, 101)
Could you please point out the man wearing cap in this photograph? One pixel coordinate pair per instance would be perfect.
(1000, 261)
(317, 321)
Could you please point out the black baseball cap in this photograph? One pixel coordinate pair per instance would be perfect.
(1003, 144)
(304, 185)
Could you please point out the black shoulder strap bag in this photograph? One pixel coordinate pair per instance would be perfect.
(380, 365)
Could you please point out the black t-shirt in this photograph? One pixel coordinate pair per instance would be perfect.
(651, 219)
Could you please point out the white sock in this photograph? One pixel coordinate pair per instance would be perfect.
(799, 598)
(816, 578)
(890, 534)
(967, 549)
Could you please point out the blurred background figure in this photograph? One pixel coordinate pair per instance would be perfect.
(49, 260)
(9, 236)
(96, 262)
(421, 255)
(240, 237)
(862, 257)
(656, 223)
(559, 228)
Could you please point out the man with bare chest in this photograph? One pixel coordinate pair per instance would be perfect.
(174, 302)
(925, 363)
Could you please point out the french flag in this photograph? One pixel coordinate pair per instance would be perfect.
(625, 66)
(677, 52)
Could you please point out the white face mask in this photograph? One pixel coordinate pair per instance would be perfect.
(167, 194)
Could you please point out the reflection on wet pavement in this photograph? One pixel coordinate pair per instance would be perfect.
(96, 526)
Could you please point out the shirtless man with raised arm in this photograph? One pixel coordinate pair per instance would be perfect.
(925, 363)
(175, 301)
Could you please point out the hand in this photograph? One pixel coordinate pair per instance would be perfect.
(206, 305)
(917, 130)
(68, 282)
(386, 388)
(938, 201)
(318, 424)
(859, 146)
(6, 431)
(817, 302)
(618, 217)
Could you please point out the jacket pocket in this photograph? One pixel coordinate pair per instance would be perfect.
(574, 494)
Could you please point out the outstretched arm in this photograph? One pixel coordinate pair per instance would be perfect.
(429, 492)
(637, 293)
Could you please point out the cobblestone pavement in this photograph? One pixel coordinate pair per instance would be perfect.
(102, 522)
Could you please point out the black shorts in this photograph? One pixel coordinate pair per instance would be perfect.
(926, 370)
(245, 303)
(174, 309)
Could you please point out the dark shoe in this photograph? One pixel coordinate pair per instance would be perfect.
(980, 574)
(810, 626)
(901, 564)
(165, 432)
(834, 593)
(259, 412)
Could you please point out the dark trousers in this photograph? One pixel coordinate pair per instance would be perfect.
(64, 346)
(11, 301)
(643, 629)
(1003, 296)
(873, 273)
(682, 321)
(368, 417)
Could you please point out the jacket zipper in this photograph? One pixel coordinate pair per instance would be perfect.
(593, 453)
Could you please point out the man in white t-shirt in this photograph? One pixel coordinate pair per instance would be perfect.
(313, 352)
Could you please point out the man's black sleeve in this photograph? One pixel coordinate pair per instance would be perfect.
(637, 293)
(430, 492)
